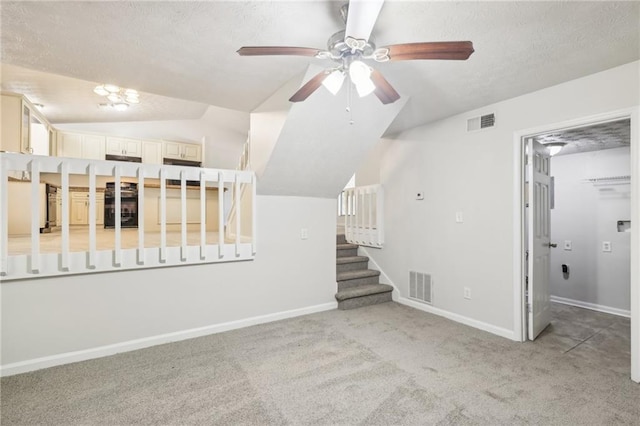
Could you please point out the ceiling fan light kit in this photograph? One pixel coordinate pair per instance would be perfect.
(351, 46)
(333, 82)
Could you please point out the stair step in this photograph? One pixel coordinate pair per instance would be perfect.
(341, 239)
(351, 259)
(350, 279)
(359, 302)
(363, 290)
(347, 250)
(354, 275)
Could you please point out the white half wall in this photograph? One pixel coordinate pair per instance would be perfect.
(586, 215)
(225, 131)
(56, 316)
(474, 173)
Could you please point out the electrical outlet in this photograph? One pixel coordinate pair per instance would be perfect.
(467, 293)
(606, 246)
(304, 234)
(459, 217)
(420, 196)
(567, 244)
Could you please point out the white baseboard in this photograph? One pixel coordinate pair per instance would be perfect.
(592, 306)
(131, 345)
(499, 331)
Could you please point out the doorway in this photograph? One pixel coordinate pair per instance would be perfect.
(538, 255)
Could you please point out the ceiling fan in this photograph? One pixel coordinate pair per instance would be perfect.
(349, 47)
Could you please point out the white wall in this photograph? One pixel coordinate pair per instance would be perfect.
(587, 214)
(266, 123)
(473, 173)
(224, 130)
(45, 317)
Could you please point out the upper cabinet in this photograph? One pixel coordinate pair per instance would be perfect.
(151, 152)
(24, 129)
(182, 151)
(124, 146)
(78, 145)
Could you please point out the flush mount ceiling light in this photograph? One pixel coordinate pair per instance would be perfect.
(119, 97)
(555, 147)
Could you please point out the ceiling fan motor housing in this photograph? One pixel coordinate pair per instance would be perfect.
(340, 48)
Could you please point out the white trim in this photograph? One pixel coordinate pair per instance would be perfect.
(518, 282)
(498, 331)
(384, 278)
(592, 306)
(132, 345)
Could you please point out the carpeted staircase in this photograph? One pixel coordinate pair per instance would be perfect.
(357, 285)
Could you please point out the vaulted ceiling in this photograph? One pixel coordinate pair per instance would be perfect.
(187, 50)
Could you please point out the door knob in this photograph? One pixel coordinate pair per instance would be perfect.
(552, 245)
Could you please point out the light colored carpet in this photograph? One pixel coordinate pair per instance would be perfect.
(383, 364)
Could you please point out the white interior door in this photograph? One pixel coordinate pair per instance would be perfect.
(539, 243)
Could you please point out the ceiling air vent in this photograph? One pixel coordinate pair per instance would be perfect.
(420, 287)
(482, 122)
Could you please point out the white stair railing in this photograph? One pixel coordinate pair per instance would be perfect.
(239, 200)
(363, 208)
(41, 264)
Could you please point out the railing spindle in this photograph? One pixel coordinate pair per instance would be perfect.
(141, 215)
(203, 215)
(4, 219)
(92, 216)
(254, 221)
(220, 214)
(163, 216)
(238, 211)
(117, 254)
(35, 216)
(183, 215)
(65, 216)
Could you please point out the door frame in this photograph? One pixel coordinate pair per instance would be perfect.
(519, 270)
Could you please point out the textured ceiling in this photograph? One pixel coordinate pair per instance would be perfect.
(187, 49)
(613, 134)
(71, 100)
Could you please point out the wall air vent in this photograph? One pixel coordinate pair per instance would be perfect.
(420, 287)
(482, 122)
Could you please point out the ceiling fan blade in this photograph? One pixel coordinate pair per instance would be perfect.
(309, 87)
(384, 91)
(277, 50)
(361, 17)
(456, 50)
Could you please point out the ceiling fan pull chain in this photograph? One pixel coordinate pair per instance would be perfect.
(349, 104)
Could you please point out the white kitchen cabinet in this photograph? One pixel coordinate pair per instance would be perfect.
(182, 151)
(80, 208)
(78, 145)
(123, 146)
(23, 128)
(151, 152)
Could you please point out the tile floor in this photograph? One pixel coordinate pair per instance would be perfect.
(590, 336)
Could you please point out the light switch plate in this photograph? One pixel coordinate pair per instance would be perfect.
(467, 293)
(567, 244)
(304, 233)
(459, 217)
(606, 246)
